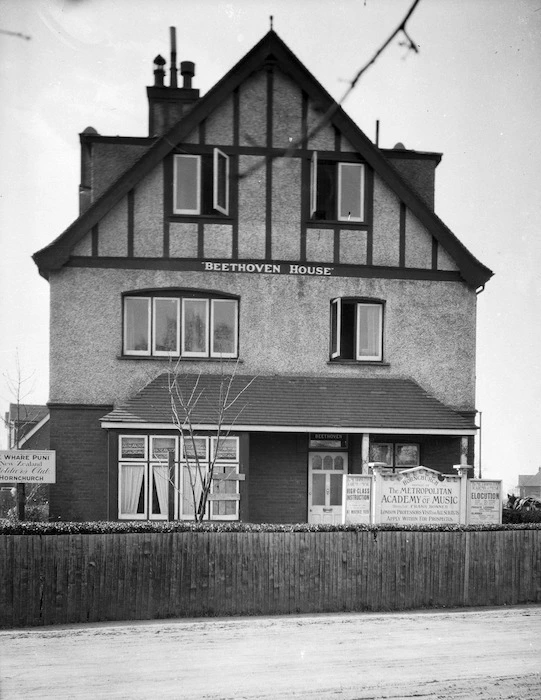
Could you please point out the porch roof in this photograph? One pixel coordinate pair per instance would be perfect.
(294, 403)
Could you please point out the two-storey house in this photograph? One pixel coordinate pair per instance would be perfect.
(256, 230)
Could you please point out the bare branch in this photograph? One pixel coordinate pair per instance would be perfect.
(325, 119)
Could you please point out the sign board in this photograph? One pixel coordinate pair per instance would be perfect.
(357, 491)
(417, 496)
(28, 466)
(484, 502)
(328, 441)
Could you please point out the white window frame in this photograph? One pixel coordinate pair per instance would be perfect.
(313, 184)
(133, 516)
(195, 353)
(137, 353)
(217, 154)
(379, 334)
(122, 458)
(341, 167)
(337, 303)
(213, 352)
(165, 353)
(197, 209)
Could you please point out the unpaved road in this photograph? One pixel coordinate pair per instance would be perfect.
(471, 654)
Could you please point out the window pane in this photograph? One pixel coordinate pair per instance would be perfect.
(317, 462)
(224, 486)
(339, 463)
(224, 327)
(160, 490)
(190, 480)
(193, 445)
(336, 489)
(351, 191)
(136, 324)
(187, 184)
(327, 462)
(221, 181)
(162, 447)
(318, 489)
(369, 331)
(132, 447)
(227, 448)
(132, 489)
(335, 327)
(195, 326)
(166, 325)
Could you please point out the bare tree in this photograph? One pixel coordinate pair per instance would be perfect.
(19, 387)
(187, 396)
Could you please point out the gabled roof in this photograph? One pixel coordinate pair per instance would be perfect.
(296, 403)
(530, 479)
(271, 47)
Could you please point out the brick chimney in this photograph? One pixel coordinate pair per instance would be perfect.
(167, 105)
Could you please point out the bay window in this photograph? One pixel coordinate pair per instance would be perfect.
(356, 330)
(154, 471)
(176, 324)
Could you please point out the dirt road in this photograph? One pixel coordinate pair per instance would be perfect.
(470, 654)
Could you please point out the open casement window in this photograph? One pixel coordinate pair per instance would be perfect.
(337, 190)
(201, 183)
(169, 326)
(356, 330)
(220, 183)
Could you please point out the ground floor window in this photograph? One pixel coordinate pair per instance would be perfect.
(395, 454)
(155, 471)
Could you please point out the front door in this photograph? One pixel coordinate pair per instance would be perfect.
(325, 472)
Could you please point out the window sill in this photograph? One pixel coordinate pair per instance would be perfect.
(363, 363)
(193, 218)
(176, 358)
(333, 223)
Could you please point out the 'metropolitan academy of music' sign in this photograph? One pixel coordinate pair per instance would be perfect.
(421, 496)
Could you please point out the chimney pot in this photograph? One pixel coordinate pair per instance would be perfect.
(159, 72)
(187, 70)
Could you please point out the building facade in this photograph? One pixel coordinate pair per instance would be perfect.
(255, 240)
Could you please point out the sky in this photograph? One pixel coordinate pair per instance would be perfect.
(472, 91)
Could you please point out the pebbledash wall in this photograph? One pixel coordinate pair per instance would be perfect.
(282, 265)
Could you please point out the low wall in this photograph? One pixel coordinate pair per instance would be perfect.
(59, 579)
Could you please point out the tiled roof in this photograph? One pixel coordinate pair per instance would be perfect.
(27, 413)
(530, 479)
(297, 402)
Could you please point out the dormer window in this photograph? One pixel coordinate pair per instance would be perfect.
(337, 190)
(201, 184)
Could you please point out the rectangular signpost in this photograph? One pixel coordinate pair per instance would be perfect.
(357, 491)
(484, 502)
(27, 466)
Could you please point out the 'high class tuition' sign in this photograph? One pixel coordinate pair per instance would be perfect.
(28, 466)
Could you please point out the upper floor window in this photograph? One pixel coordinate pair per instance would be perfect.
(356, 330)
(175, 324)
(201, 183)
(337, 190)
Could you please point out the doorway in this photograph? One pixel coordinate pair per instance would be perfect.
(325, 474)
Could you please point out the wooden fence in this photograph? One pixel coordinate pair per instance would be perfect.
(59, 579)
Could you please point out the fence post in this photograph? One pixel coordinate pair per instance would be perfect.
(466, 569)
